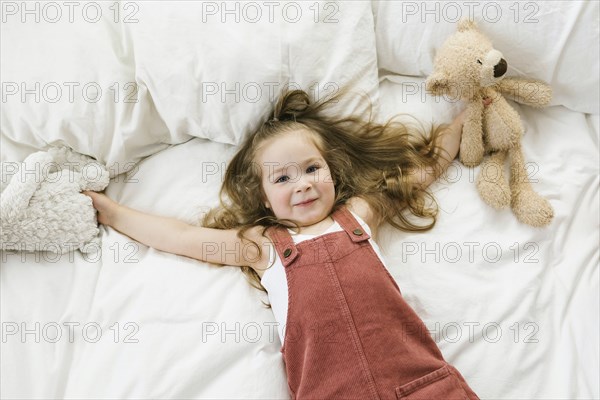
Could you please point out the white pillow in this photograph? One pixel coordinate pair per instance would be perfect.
(180, 57)
(214, 68)
(73, 83)
(556, 41)
(180, 182)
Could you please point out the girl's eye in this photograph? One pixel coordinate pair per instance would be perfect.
(312, 168)
(282, 179)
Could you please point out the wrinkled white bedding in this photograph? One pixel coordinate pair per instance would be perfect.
(515, 308)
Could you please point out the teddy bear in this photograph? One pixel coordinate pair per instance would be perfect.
(42, 207)
(467, 67)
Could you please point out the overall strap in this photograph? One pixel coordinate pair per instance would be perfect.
(286, 248)
(284, 244)
(352, 227)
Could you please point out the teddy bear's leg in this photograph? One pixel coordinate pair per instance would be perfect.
(529, 207)
(491, 183)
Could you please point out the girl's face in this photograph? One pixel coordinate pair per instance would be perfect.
(296, 179)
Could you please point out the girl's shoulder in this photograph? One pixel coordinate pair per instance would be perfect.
(261, 258)
(357, 205)
(361, 207)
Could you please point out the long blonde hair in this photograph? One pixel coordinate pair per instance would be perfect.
(376, 162)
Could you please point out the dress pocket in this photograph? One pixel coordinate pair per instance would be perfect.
(439, 384)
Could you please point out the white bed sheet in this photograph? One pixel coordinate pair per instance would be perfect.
(520, 325)
(516, 309)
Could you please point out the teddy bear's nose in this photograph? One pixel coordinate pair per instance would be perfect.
(500, 68)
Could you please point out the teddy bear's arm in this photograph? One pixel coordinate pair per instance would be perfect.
(526, 91)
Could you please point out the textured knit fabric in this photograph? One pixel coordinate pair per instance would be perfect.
(42, 208)
(349, 333)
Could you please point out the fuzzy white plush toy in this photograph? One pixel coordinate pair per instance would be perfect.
(43, 209)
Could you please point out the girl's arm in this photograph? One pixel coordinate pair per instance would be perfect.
(449, 144)
(219, 246)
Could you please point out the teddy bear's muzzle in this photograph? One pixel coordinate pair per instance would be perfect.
(500, 68)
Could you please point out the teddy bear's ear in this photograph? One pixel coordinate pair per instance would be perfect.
(437, 83)
(466, 24)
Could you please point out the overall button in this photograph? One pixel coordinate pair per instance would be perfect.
(287, 252)
(357, 232)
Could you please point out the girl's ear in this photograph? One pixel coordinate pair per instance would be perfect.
(267, 204)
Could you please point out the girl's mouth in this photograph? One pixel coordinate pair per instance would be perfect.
(306, 203)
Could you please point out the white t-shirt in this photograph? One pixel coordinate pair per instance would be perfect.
(275, 280)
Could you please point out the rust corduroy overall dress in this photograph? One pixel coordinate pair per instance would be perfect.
(349, 333)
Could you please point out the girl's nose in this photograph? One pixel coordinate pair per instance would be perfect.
(303, 184)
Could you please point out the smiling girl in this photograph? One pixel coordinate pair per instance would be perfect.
(302, 201)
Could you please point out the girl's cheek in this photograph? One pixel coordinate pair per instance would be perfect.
(281, 196)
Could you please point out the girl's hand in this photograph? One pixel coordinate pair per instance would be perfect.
(105, 206)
